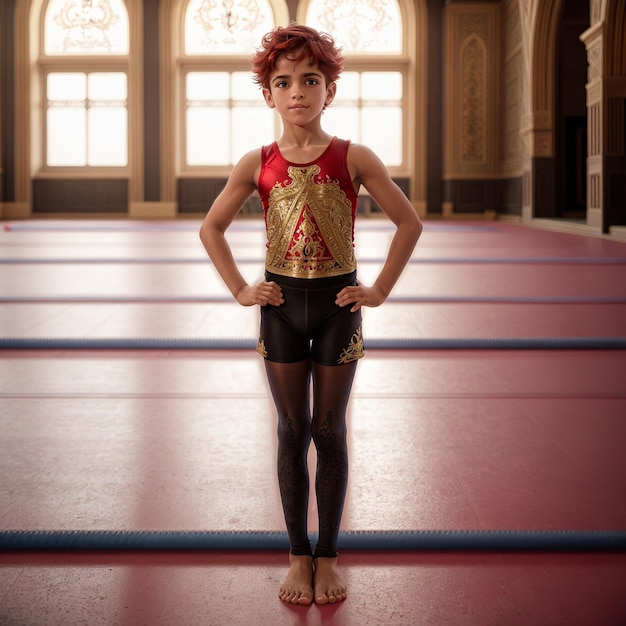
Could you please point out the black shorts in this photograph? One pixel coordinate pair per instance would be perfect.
(309, 325)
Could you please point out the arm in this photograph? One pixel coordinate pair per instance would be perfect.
(240, 185)
(370, 171)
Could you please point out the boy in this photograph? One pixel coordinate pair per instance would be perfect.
(310, 299)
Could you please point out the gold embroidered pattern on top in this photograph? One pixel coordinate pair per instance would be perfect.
(260, 348)
(355, 350)
(309, 227)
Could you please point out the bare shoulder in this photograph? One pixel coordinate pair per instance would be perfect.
(240, 185)
(367, 169)
(247, 168)
(364, 164)
(361, 154)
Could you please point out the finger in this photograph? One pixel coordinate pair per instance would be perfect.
(273, 286)
(346, 296)
(270, 295)
(274, 289)
(277, 296)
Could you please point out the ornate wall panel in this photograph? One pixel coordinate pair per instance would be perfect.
(471, 87)
(473, 102)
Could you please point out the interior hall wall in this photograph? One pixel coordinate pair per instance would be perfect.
(482, 95)
(7, 191)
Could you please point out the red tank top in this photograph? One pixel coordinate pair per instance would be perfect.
(309, 211)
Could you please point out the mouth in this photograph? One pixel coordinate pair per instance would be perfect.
(298, 106)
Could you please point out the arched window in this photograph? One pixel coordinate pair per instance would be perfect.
(359, 26)
(86, 27)
(226, 27)
(85, 84)
(371, 102)
(224, 112)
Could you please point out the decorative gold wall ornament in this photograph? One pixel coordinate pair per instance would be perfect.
(473, 102)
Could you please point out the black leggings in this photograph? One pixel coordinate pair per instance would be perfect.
(290, 384)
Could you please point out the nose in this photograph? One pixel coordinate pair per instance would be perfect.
(297, 93)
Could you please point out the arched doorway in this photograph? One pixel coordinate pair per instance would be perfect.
(571, 112)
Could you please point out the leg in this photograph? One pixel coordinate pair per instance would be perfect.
(289, 384)
(332, 386)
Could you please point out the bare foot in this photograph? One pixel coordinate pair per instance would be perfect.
(298, 586)
(328, 586)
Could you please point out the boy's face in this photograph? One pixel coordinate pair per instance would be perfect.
(298, 90)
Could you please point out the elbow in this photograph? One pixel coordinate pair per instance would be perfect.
(204, 232)
(416, 226)
(419, 229)
(211, 234)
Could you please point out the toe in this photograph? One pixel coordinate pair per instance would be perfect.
(305, 598)
(336, 595)
(287, 596)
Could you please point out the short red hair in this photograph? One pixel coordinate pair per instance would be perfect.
(305, 42)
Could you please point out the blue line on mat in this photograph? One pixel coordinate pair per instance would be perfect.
(504, 343)
(527, 540)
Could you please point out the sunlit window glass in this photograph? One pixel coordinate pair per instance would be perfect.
(253, 121)
(67, 140)
(368, 109)
(86, 27)
(226, 117)
(226, 26)
(381, 85)
(87, 119)
(107, 119)
(359, 26)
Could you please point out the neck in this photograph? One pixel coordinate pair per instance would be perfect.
(303, 136)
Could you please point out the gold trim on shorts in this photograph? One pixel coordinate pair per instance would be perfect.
(355, 349)
(260, 348)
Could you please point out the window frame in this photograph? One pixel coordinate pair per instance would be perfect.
(362, 64)
(355, 63)
(131, 65)
(52, 65)
(221, 63)
(217, 62)
(402, 63)
(414, 68)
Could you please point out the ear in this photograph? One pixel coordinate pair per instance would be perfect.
(331, 90)
(267, 94)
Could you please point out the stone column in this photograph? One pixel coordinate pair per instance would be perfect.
(606, 112)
